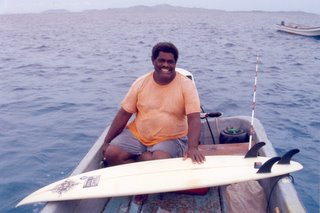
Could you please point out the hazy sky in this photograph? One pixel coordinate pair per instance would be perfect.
(26, 6)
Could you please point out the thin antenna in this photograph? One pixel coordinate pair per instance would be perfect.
(253, 102)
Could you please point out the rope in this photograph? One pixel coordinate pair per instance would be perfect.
(273, 187)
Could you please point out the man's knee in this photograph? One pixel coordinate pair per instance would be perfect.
(114, 155)
(155, 155)
(145, 156)
(160, 155)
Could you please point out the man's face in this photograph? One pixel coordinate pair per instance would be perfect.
(164, 66)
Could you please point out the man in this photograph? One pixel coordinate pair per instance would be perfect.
(167, 115)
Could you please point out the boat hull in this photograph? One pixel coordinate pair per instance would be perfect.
(304, 31)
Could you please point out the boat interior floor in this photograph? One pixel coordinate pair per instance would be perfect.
(169, 202)
(188, 201)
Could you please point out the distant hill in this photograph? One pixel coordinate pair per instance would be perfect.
(56, 11)
(156, 8)
(160, 8)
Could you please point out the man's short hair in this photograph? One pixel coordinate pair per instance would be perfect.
(165, 47)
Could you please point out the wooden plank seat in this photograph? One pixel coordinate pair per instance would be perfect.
(224, 149)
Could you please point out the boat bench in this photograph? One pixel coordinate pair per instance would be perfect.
(224, 149)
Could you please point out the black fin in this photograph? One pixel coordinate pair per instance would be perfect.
(287, 156)
(266, 167)
(253, 152)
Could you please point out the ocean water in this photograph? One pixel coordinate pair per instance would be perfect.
(63, 76)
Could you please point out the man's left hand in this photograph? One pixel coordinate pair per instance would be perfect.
(195, 155)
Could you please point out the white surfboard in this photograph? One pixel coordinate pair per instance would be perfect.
(157, 176)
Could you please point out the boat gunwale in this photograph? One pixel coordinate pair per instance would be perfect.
(297, 27)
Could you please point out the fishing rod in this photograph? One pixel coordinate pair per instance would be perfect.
(253, 102)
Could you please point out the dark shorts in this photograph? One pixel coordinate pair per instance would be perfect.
(127, 142)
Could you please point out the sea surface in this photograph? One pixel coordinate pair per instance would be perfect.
(63, 75)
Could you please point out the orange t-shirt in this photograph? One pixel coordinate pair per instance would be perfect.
(160, 109)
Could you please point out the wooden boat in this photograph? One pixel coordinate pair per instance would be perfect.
(299, 29)
(279, 192)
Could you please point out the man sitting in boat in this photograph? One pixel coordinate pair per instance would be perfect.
(167, 115)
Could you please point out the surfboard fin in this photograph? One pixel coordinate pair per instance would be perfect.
(266, 167)
(285, 159)
(253, 152)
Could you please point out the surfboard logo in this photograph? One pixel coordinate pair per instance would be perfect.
(64, 187)
(91, 181)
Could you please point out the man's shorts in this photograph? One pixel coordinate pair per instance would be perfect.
(127, 142)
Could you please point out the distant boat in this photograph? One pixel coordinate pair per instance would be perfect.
(299, 29)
